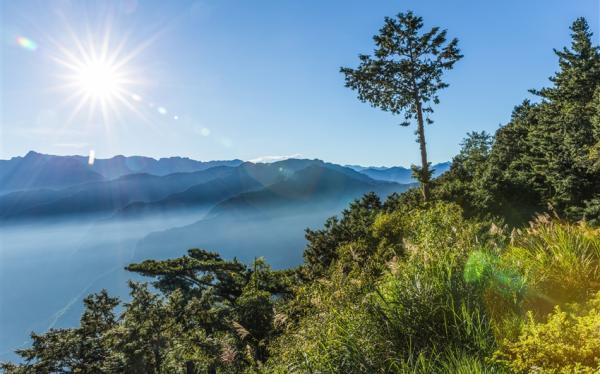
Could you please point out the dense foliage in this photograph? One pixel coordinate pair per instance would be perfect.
(461, 283)
(547, 156)
(568, 342)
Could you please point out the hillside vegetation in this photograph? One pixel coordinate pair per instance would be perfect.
(496, 269)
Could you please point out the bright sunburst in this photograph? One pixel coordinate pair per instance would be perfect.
(99, 80)
(98, 75)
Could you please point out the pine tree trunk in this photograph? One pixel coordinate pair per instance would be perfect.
(423, 146)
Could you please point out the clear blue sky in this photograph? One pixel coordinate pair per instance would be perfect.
(248, 79)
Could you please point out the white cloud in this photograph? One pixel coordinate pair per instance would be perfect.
(266, 159)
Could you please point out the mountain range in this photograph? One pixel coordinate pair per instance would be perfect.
(36, 170)
(39, 186)
(397, 174)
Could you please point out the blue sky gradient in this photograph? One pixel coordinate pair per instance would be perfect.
(249, 79)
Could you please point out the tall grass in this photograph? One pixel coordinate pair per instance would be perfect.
(559, 262)
(450, 297)
(420, 316)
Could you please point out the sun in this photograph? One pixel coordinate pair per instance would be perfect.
(96, 78)
(100, 80)
(97, 74)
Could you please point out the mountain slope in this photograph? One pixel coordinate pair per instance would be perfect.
(245, 178)
(121, 165)
(36, 170)
(106, 196)
(144, 192)
(316, 186)
(263, 186)
(398, 174)
(272, 218)
(43, 171)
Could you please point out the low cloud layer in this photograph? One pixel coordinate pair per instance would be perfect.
(266, 159)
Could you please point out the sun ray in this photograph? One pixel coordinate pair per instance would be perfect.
(105, 43)
(135, 52)
(83, 100)
(93, 74)
(103, 108)
(98, 72)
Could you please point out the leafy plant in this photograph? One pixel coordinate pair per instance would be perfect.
(568, 341)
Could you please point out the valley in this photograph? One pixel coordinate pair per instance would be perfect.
(87, 230)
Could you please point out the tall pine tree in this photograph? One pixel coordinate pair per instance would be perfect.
(404, 76)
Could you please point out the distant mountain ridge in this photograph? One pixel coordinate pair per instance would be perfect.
(37, 170)
(66, 186)
(397, 174)
(315, 187)
(40, 171)
(283, 209)
(101, 196)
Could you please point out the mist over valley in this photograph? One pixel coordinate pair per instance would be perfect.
(69, 228)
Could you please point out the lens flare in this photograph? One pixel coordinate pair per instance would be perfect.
(484, 268)
(92, 157)
(27, 43)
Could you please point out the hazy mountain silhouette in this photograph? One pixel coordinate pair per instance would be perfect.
(36, 170)
(316, 186)
(272, 218)
(246, 177)
(397, 174)
(60, 186)
(120, 165)
(105, 196)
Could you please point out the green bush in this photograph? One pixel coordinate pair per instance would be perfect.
(567, 342)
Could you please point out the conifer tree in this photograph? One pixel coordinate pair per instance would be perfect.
(404, 76)
(579, 73)
(84, 349)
